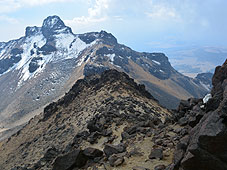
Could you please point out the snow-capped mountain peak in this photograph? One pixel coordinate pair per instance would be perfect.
(54, 25)
(53, 21)
(52, 42)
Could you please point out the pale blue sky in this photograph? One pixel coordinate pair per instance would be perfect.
(144, 25)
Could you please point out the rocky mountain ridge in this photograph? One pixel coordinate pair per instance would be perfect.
(100, 123)
(44, 64)
(107, 121)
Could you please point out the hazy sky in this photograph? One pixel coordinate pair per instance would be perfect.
(141, 24)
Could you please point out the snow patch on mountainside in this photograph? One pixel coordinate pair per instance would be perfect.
(111, 57)
(206, 98)
(68, 47)
(25, 74)
(1, 53)
(39, 40)
(156, 62)
(63, 41)
(76, 47)
(79, 45)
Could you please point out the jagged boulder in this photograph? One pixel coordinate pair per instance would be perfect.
(116, 160)
(74, 159)
(92, 153)
(114, 149)
(156, 154)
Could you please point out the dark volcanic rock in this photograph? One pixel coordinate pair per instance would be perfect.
(156, 153)
(107, 38)
(207, 147)
(139, 168)
(50, 154)
(113, 149)
(88, 37)
(218, 87)
(93, 127)
(83, 135)
(183, 121)
(47, 49)
(184, 105)
(131, 130)
(116, 160)
(74, 159)
(125, 136)
(160, 167)
(207, 144)
(34, 64)
(92, 153)
(93, 137)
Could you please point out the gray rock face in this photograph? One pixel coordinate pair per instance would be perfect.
(207, 147)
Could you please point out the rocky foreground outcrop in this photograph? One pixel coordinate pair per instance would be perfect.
(204, 148)
(105, 121)
(108, 121)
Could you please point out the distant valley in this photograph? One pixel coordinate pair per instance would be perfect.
(193, 60)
